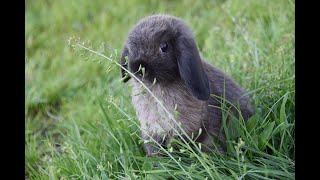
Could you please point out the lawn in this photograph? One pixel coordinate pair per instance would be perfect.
(79, 120)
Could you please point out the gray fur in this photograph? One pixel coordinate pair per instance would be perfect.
(184, 82)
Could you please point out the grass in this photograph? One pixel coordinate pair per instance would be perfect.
(80, 123)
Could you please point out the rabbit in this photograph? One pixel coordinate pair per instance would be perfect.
(161, 52)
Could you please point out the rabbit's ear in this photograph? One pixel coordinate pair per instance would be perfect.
(124, 63)
(191, 69)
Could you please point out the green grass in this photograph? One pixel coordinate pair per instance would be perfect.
(80, 122)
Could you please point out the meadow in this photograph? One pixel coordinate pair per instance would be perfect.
(79, 120)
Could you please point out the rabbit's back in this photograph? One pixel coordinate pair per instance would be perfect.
(225, 90)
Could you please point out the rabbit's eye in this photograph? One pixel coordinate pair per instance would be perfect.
(164, 47)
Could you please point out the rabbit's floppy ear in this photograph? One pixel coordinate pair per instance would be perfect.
(124, 63)
(191, 69)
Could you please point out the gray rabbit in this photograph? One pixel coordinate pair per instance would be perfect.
(163, 54)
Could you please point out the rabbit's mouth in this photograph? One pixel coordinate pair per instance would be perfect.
(151, 73)
(141, 71)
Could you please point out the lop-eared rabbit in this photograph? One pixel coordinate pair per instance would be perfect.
(162, 53)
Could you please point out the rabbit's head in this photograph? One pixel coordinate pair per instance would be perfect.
(162, 47)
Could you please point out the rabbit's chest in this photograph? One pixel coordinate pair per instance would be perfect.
(154, 119)
(152, 116)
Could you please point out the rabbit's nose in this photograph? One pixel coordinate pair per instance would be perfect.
(137, 67)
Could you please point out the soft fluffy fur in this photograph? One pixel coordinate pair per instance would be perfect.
(184, 83)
